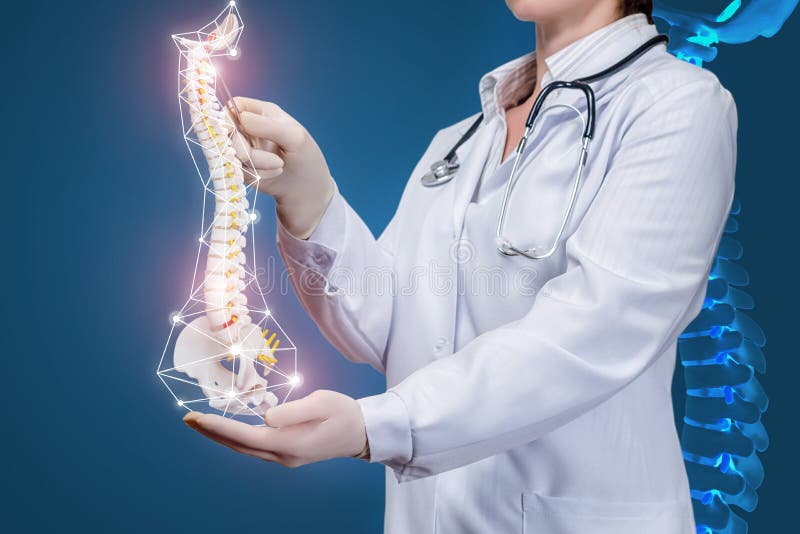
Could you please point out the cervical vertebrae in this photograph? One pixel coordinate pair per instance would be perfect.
(224, 350)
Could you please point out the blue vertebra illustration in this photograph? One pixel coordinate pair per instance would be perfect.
(721, 349)
(722, 432)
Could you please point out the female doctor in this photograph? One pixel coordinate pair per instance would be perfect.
(529, 388)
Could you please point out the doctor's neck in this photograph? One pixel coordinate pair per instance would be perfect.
(560, 23)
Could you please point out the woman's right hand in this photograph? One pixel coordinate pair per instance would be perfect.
(289, 164)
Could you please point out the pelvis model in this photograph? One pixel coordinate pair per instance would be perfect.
(221, 344)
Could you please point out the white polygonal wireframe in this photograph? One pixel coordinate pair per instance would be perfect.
(177, 382)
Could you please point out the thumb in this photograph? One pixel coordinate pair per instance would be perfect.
(308, 408)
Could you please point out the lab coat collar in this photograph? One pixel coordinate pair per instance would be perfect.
(592, 53)
(502, 86)
(600, 49)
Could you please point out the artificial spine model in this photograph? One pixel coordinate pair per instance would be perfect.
(225, 303)
(721, 350)
(222, 347)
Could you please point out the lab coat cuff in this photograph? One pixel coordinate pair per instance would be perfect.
(388, 429)
(319, 251)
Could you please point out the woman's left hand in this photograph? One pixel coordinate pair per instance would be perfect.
(323, 425)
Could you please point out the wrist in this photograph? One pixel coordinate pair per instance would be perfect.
(364, 454)
(300, 214)
(388, 429)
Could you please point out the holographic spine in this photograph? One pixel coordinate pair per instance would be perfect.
(722, 433)
(721, 349)
(225, 302)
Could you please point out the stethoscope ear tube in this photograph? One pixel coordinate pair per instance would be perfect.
(588, 93)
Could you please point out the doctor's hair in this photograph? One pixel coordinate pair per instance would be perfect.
(630, 7)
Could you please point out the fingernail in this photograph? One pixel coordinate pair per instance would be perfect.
(192, 419)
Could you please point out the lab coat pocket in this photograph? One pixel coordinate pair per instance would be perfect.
(544, 514)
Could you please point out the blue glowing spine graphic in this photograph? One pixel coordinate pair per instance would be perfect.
(722, 433)
(721, 349)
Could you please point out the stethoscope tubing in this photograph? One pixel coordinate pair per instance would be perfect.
(445, 170)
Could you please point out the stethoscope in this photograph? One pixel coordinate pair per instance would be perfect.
(445, 170)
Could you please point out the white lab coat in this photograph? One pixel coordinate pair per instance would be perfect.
(545, 407)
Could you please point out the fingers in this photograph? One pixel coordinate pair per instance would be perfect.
(235, 433)
(257, 106)
(191, 420)
(242, 147)
(310, 408)
(230, 430)
(285, 132)
(256, 158)
(307, 435)
(267, 120)
(262, 162)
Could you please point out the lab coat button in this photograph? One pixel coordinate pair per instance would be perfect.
(441, 342)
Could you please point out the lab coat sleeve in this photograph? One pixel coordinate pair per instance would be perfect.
(343, 277)
(327, 273)
(636, 275)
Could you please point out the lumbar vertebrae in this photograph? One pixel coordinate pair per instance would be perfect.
(221, 348)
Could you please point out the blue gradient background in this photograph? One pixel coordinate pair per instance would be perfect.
(103, 205)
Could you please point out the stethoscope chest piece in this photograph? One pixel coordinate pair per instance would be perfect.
(441, 172)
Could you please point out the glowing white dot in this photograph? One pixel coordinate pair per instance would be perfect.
(176, 318)
(295, 379)
(231, 394)
(180, 403)
(236, 350)
(253, 216)
(200, 239)
(233, 52)
(232, 3)
(267, 313)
